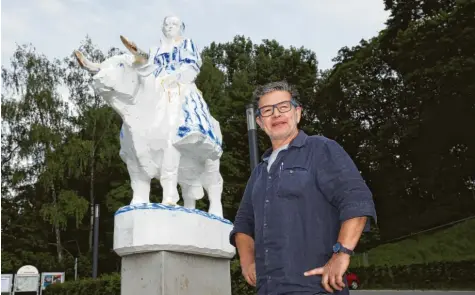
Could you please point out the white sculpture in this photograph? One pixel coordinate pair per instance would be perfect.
(168, 132)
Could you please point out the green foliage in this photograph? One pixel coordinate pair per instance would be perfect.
(45, 262)
(68, 204)
(403, 107)
(401, 104)
(435, 276)
(105, 285)
(451, 244)
(228, 77)
(441, 276)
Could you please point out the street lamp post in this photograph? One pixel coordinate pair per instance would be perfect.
(95, 253)
(252, 135)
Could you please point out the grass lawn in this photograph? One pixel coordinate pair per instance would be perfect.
(451, 244)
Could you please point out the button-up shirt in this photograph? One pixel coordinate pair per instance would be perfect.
(294, 212)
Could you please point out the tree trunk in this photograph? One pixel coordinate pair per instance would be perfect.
(59, 246)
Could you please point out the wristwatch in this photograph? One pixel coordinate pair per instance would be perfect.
(338, 247)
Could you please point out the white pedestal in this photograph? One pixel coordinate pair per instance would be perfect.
(172, 250)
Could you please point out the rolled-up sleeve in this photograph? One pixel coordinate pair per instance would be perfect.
(244, 220)
(343, 185)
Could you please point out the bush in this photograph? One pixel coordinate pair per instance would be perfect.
(435, 275)
(443, 275)
(105, 285)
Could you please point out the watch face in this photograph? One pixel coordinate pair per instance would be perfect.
(336, 247)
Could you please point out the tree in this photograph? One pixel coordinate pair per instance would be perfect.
(97, 144)
(397, 105)
(36, 121)
(230, 73)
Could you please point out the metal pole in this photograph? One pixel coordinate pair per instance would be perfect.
(75, 268)
(252, 135)
(95, 254)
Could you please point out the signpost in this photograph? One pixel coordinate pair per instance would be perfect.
(51, 278)
(26, 280)
(7, 280)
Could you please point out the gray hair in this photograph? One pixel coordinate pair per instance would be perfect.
(275, 86)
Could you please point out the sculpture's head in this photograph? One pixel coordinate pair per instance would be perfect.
(117, 76)
(278, 112)
(113, 77)
(172, 27)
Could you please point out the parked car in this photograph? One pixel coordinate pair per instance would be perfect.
(353, 280)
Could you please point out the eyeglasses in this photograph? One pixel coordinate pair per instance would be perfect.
(283, 107)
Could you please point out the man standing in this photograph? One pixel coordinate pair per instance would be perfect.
(304, 208)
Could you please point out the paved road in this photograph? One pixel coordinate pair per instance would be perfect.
(389, 292)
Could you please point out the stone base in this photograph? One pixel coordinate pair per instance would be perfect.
(169, 250)
(169, 273)
(154, 227)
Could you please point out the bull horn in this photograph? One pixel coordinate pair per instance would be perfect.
(85, 63)
(140, 55)
(129, 45)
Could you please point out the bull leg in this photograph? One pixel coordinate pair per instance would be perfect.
(169, 176)
(190, 194)
(140, 183)
(213, 184)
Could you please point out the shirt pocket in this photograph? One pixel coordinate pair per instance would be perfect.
(293, 181)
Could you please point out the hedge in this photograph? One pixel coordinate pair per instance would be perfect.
(440, 275)
(104, 285)
(443, 276)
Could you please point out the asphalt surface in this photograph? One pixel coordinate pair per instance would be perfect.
(409, 292)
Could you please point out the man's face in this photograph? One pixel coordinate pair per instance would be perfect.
(281, 124)
(171, 27)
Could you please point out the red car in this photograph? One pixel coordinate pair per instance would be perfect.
(353, 280)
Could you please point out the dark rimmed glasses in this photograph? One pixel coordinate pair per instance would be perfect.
(283, 107)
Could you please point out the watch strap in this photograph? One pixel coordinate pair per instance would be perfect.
(338, 247)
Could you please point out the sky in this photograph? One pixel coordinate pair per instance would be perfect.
(57, 27)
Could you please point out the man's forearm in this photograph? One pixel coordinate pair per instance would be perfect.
(245, 246)
(350, 232)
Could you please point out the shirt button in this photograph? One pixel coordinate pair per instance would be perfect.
(265, 224)
(270, 177)
(267, 201)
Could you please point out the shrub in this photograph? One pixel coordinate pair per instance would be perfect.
(105, 285)
(436, 275)
(441, 275)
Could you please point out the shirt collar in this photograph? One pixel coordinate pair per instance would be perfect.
(298, 141)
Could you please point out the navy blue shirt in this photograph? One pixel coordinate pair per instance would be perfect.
(294, 212)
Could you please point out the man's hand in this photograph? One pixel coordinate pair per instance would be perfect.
(332, 273)
(249, 273)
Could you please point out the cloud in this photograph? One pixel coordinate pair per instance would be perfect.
(57, 27)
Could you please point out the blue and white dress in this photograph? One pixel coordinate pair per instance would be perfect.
(196, 130)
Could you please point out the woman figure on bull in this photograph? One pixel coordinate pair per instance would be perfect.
(175, 64)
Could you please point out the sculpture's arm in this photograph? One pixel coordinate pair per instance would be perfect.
(189, 62)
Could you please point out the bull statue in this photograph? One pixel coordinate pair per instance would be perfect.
(167, 130)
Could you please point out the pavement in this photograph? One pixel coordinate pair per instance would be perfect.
(410, 292)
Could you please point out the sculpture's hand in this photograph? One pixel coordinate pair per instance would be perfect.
(171, 81)
(141, 56)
